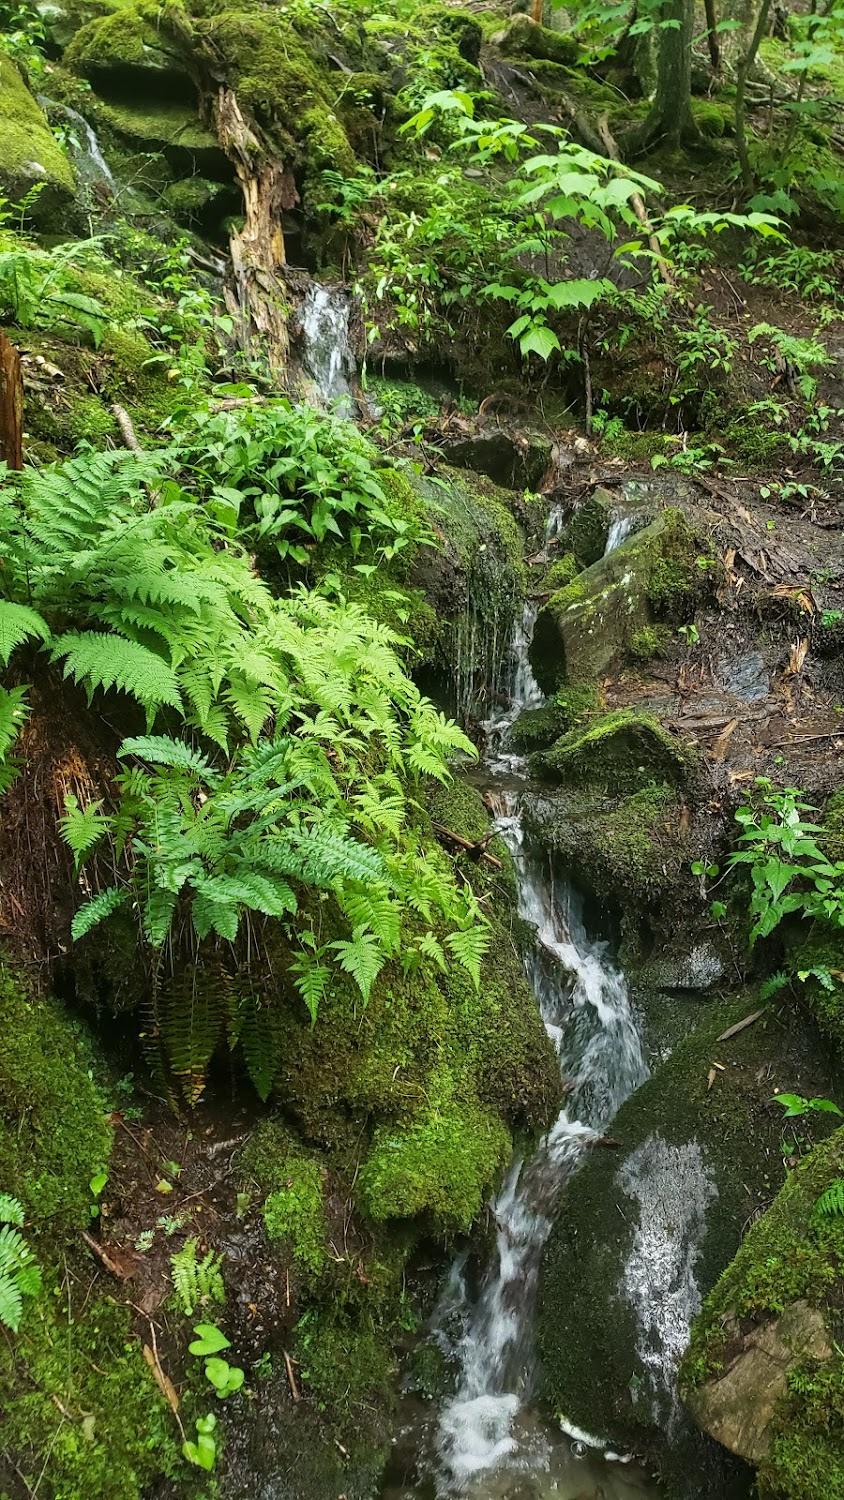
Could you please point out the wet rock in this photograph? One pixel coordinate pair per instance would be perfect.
(641, 1234)
(745, 677)
(683, 967)
(511, 459)
(587, 626)
(30, 156)
(589, 528)
(623, 751)
(765, 1373)
(739, 1408)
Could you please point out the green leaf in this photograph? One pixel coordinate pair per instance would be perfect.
(209, 1340)
(539, 340)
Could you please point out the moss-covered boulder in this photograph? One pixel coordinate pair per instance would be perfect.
(624, 751)
(589, 528)
(526, 38)
(590, 624)
(30, 155)
(643, 1232)
(128, 49)
(764, 1373)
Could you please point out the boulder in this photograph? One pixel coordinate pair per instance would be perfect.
(623, 751)
(643, 1232)
(587, 626)
(30, 156)
(764, 1373)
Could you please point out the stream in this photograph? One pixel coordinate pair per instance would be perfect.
(490, 1438)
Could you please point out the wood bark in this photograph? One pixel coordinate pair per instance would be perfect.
(11, 405)
(744, 70)
(259, 303)
(670, 119)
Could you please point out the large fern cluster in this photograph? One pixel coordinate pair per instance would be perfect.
(284, 735)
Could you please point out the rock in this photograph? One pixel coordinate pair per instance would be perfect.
(623, 751)
(685, 966)
(511, 459)
(30, 156)
(641, 1234)
(764, 1373)
(589, 528)
(739, 1408)
(588, 625)
(745, 677)
(524, 38)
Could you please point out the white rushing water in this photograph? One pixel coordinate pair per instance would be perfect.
(327, 353)
(488, 1430)
(83, 148)
(619, 531)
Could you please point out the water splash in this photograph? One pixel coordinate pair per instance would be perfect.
(619, 531)
(93, 172)
(327, 357)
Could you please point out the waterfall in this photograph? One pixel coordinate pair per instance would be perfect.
(83, 148)
(619, 530)
(327, 357)
(488, 1430)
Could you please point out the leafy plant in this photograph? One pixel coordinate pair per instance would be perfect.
(789, 871)
(225, 1378)
(209, 1340)
(19, 1273)
(202, 1452)
(36, 288)
(795, 357)
(795, 1105)
(196, 1282)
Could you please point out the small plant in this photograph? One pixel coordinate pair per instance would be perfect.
(209, 1340)
(795, 1105)
(225, 1378)
(690, 634)
(831, 1202)
(19, 1274)
(196, 1282)
(203, 1452)
(789, 871)
(36, 288)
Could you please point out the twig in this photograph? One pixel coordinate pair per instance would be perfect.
(637, 204)
(291, 1377)
(124, 422)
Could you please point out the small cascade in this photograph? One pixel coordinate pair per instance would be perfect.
(93, 173)
(327, 357)
(487, 1428)
(619, 531)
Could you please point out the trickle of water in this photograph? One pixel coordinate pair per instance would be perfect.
(327, 357)
(83, 148)
(619, 531)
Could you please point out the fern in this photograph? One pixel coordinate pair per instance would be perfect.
(110, 661)
(19, 1273)
(831, 1202)
(196, 1283)
(19, 623)
(774, 984)
(363, 958)
(96, 911)
(82, 828)
(160, 750)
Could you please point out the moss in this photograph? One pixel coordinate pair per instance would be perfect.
(792, 1253)
(458, 25)
(53, 1129)
(536, 728)
(832, 840)
(823, 949)
(561, 572)
(630, 850)
(676, 581)
(713, 118)
(294, 1212)
(346, 1365)
(651, 641)
(753, 442)
(158, 123)
(82, 1415)
(29, 154)
(123, 38)
(590, 1341)
(589, 529)
(441, 1165)
(624, 750)
(524, 38)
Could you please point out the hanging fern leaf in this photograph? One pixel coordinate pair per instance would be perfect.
(19, 623)
(161, 750)
(192, 1018)
(96, 910)
(363, 958)
(11, 1210)
(13, 712)
(82, 829)
(19, 1273)
(110, 661)
(259, 1044)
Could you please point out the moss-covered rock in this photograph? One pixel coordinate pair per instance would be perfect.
(30, 156)
(525, 38)
(126, 44)
(624, 750)
(589, 528)
(590, 624)
(537, 728)
(53, 1129)
(764, 1372)
(441, 1166)
(642, 1233)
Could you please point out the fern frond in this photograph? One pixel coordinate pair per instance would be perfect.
(13, 712)
(96, 910)
(161, 750)
(110, 661)
(19, 623)
(192, 1014)
(831, 1202)
(82, 828)
(363, 958)
(11, 1210)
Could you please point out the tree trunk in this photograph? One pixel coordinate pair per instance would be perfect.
(744, 70)
(712, 35)
(11, 405)
(670, 119)
(260, 304)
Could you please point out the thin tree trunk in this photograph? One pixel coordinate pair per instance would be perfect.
(712, 34)
(670, 119)
(11, 405)
(260, 303)
(743, 74)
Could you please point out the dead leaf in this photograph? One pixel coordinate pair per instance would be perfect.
(164, 1383)
(719, 749)
(740, 1026)
(713, 1074)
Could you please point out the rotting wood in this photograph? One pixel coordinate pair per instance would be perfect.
(127, 431)
(259, 301)
(740, 1026)
(11, 405)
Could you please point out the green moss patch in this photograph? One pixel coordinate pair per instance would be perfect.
(440, 1165)
(630, 849)
(29, 153)
(295, 1212)
(623, 750)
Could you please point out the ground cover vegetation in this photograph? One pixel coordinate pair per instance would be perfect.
(235, 831)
